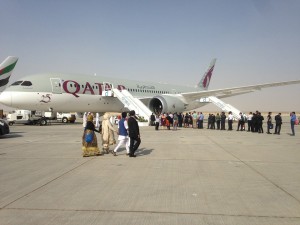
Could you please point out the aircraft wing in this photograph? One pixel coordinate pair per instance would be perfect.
(229, 92)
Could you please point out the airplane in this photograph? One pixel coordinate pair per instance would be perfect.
(61, 92)
(6, 69)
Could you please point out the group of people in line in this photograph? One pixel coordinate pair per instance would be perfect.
(128, 135)
(195, 120)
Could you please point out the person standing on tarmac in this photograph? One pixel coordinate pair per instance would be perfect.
(278, 122)
(134, 134)
(223, 120)
(260, 119)
(84, 120)
(107, 133)
(240, 122)
(195, 117)
(157, 120)
(90, 145)
(200, 121)
(249, 120)
(175, 121)
(123, 135)
(152, 120)
(293, 120)
(218, 121)
(230, 120)
(269, 122)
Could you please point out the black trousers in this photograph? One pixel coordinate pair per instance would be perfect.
(229, 124)
(277, 128)
(268, 127)
(222, 124)
(218, 124)
(260, 128)
(134, 144)
(200, 124)
(250, 125)
(156, 125)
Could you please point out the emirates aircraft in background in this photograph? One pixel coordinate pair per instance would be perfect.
(60, 92)
(6, 68)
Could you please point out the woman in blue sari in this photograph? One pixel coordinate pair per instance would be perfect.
(89, 139)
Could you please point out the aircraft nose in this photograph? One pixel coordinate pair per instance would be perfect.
(5, 98)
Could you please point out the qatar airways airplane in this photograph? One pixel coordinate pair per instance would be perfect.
(62, 92)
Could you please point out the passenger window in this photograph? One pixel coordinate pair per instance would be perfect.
(26, 83)
(16, 83)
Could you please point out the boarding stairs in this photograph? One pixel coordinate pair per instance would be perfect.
(225, 107)
(132, 103)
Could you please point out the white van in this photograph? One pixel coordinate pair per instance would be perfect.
(22, 117)
(36, 117)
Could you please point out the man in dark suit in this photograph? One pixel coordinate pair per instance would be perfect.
(223, 120)
(134, 133)
(278, 122)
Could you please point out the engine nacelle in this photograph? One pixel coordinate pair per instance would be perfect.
(160, 104)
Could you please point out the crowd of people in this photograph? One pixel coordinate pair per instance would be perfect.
(128, 135)
(253, 121)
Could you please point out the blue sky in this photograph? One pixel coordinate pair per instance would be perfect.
(254, 41)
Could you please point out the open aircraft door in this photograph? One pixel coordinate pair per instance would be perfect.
(56, 85)
(107, 89)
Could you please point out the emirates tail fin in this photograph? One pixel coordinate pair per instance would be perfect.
(6, 69)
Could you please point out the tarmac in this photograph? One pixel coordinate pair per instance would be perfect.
(188, 176)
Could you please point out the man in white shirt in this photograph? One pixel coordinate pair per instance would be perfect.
(249, 120)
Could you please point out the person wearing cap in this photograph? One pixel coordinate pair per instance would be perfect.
(90, 148)
(134, 134)
(123, 135)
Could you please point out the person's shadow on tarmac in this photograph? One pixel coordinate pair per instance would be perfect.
(143, 151)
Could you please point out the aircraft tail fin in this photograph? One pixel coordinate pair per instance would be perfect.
(205, 80)
(6, 69)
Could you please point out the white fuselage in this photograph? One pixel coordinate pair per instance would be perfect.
(79, 93)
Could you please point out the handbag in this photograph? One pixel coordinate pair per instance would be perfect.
(89, 137)
(271, 126)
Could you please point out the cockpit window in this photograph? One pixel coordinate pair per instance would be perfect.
(16, 83)
(26, 83)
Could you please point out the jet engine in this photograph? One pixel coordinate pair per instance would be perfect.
(159, 104)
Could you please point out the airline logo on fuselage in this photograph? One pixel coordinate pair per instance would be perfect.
(74, 88)
(145, 87)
